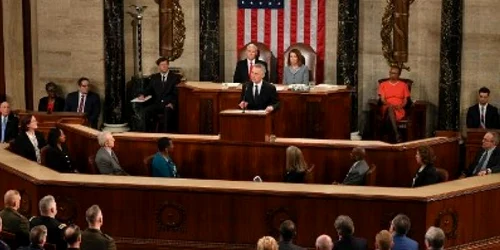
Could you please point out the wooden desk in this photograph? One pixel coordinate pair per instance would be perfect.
(320, 113)
(47, 121)
(208, 157)
(155, 213)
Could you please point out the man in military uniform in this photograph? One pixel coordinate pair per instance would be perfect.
(92, 237)
(55, 229)
(13, 221)
(73, 236)
(38, 238)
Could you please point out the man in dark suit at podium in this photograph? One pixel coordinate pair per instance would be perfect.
(163, 88)
(244, 67)
(259, 94)
(483, 114)
(84, 101)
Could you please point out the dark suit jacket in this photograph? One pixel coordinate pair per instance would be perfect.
(295, 177)
(58, 104)
(267, 96)
(24, 147)
(350, 243)
(493, 162)
(164, 93)
(241, 71)
(492, 119)
(4, 246)
(92, 106)
(12, 128)
(286, 245)
(356, 174)
(93, 239)
(427, 176)
(58, 160)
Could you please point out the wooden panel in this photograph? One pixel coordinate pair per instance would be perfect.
(47, 121)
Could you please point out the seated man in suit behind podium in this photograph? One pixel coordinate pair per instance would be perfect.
(259, 94)
(357, 172)
(84, 101)
(163, 88)
(105, 159)
(483, 114)
(487, 160)
(243, 72)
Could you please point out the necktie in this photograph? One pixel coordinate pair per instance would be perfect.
(482, 162)
(82, 104)
(483, 124)
(4, 125)
(114, 156)
(256, 91)
(250, 69)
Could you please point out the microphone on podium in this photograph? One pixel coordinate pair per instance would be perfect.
(257, 179)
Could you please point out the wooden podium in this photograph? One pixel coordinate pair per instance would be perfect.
(46, 121)
(248, 126)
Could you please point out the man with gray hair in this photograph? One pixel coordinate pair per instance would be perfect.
(55, 229)
(259, 94)
(244, 67)
(13, 221)
(487, 159)
(345, 230)
(434, 238)
(105, 158)
(38, 238)
(356, 174)
(324, 242)
(93, 238)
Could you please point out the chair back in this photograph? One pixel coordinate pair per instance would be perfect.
(43, 155)
(147, 164)
(9, 239)
(92, 167)
(48, 246)
(371, 176)
(308, 58)
(264, 54)
(442, 174)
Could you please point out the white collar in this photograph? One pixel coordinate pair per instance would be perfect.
(258, 84)
(251, 61)
(485, 106)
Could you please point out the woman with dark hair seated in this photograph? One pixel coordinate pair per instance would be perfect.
(296, 167)
(29, 142)
(426, 174)
(56, 156)
(51, 102)
(162, 165)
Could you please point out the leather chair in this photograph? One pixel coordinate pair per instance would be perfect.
(308, 58)
(9, 239)
(265, 55)
(411, 127)
(147, 164)
(92, 167)
(442, 174)
(371, 176)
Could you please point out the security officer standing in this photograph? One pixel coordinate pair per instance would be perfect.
(55, 229)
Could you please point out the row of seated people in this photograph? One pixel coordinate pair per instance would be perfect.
(31, 145)
(45, 231)
(395, 238)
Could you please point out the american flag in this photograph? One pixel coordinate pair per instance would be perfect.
(281, 23)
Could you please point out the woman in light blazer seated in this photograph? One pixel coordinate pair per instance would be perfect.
(296, 72)
(162, 165)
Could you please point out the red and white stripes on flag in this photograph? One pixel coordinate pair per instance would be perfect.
(300, 21)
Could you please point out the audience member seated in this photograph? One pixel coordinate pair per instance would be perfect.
(9, 123)
(434, 238)
(287, 234)
(57, 155)
(296, 167)
(38, 238)
(163, 89)
(105, 159)
(259, 94)
(487, 160)
(243, 71)
(383, 240)
(73, 236)
(3, 245)
(93, 238)
(324, 242)
(345, 230)
(267, 243)
(51, 102)
(13, 221)
(84, 101)
(55, 229)
(483, 114)
(29, 142)
(393, 94)
(162, 165)
(400, 226)
(296, 72)
(357, 172)
(426, 174)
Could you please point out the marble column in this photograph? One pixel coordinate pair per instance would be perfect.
(209, 41)
(347, 51)
(450, 69)
(114, 62)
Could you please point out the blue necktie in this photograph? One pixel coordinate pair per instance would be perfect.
(4, 125)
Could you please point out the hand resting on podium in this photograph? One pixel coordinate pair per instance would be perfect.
(244, 105)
